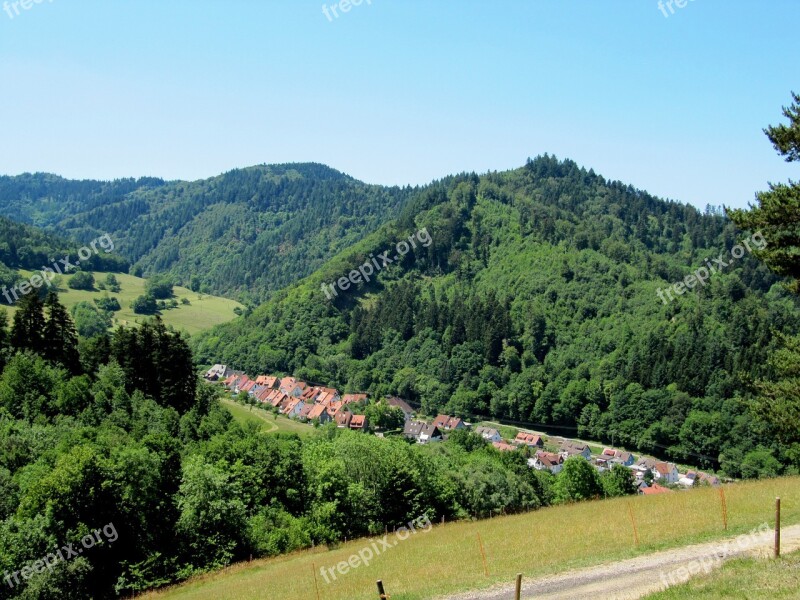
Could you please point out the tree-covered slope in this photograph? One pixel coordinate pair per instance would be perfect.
(536, 300)
(242, 234)
(24, 247)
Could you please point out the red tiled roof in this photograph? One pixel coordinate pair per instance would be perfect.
(349, 398)
(664, 468)
(655, 489)
(528, 438)
(503, 447)
(446, 422)
(317, 410)
(358, 422)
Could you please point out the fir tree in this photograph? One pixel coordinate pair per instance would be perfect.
(27, 332)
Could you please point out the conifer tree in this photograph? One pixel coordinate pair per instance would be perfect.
(777, 215)
(60, 337)
(27, 332)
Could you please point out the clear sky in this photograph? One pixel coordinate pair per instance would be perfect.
(401, 91)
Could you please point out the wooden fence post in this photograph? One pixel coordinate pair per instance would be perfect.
(519, 587)
(316, 585)
(633, 522)
(724, 508)
(777, 527)
(483, 555)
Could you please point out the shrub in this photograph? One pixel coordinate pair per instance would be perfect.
(82, 280)
(144, 305)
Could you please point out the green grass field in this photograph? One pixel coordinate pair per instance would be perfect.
(448, 558)
(753, 579)
(266, 420)
(202, 313)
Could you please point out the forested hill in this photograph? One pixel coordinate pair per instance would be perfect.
(27, 247)
(536, 300)
(242, 234)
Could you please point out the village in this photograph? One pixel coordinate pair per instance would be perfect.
(321, 405)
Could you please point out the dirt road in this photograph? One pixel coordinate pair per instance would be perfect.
(635, 578)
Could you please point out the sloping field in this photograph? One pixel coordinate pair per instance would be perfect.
(202, 312)
(448, 558)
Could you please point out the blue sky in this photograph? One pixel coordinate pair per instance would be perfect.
(402, 91)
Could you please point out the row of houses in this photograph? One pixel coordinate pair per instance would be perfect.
(664, 473)
(300, 400)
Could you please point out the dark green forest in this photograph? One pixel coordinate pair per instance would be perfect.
(241, 235)
(537, 302)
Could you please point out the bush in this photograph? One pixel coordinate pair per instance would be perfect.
(145, 305)
(159, 288)
(82, 280)
(108, 304)
(112, 284)
(89, 322)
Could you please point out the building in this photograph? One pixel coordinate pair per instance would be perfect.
(408, 412)
(504, 447)
(217, 372)
(422, 432)
(488, 433)
(529, 439)
(549, 461)
(653, 489)
(358, 422)
(569, 449)
(666, 472)
(448, 423)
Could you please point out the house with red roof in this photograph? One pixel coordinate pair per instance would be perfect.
(343, 417)
(358, 422)
(666, 472)
(352, 398)
(267, 381)
(240, 383)
(293, 408)
(549, 461)
(504, 447)
(319, 412)
(448, 423)
(529, 439)
(654, 489)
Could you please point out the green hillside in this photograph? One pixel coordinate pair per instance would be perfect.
(240, 235)
(536, 300)
(203, 311)
(447, 559)
(751, 578)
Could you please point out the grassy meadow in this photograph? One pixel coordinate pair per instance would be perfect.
(552, 540)
(202, 312)
(268, 422)
(751, 578)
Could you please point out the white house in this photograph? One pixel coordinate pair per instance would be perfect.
(488, 433)
(666, 472)
(546, 461)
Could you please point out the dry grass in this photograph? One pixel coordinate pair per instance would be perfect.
(552, 540)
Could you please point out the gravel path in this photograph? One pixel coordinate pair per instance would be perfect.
(636, 577)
